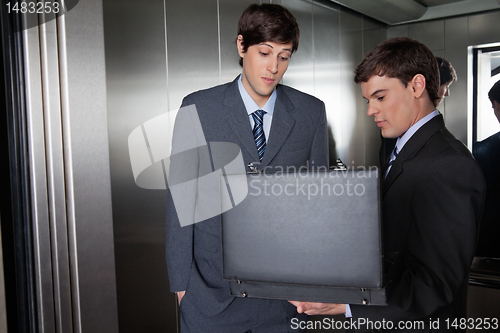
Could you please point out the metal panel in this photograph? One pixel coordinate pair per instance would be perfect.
(55, 174)
(483, 28)
(482, 303)
(454, 106)
(429, 33)
(300, 73)
(137, 91)
(193, 47)
(229, 14)
(387, 11)
(38, 174)
(352, 132)
(327, 68)
(397, 31)
(90, 229)
(373, 34)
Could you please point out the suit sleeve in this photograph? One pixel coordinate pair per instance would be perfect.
(446, 206)
(181, 199)
(319, 156)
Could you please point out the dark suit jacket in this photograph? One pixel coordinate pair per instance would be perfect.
(432, 202)
(487, 154)
(298, 137)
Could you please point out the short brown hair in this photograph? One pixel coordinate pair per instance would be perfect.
(447, 73)
(268, 23)
(401, 58)
(494, 93)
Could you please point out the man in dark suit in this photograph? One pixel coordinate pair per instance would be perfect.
(290, 133)
(487, 154)
(433, 195)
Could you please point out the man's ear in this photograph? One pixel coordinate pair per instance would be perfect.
(240, 46)
(418, 85)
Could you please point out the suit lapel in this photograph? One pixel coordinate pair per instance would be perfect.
(411, 148)
(237, 116)
(281, 126)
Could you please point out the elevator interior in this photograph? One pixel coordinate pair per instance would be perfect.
(93, 228)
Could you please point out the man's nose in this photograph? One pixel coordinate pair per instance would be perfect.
(371, 110)
(273, 65)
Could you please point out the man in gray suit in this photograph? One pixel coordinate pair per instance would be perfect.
(275, 127)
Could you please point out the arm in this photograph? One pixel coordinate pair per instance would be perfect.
(179, 249)
(181, 200)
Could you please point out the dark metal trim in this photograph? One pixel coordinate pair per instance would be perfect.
(485, 272)
(16, 212)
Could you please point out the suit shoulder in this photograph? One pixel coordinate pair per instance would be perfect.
(206, 95)
(492, 142)
(297, 96)
(487, 151)
(447, 144)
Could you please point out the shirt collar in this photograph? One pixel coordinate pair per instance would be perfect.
(251, 106)
(409, 133)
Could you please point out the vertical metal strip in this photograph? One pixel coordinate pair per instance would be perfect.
(22, 316)
(218, 42)
(68, 165)
(55, 175)
(38, 179)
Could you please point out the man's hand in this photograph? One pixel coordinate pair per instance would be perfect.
(180, 295)
(311, 308)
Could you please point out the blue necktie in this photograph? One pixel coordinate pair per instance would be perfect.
(391, 161)
(258, 132)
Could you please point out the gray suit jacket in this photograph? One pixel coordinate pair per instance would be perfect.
(298, 137)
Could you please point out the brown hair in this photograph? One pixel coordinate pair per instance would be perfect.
(494, 93)
(268, 23)
(401, 58)
(446, 71)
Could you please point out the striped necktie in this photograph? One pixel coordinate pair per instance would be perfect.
(394, 154)
(258, 132)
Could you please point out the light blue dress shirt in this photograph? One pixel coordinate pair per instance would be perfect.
(251, 107)
(409, 133)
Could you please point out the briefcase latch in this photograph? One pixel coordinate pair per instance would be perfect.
(339, 165)
(252, 168)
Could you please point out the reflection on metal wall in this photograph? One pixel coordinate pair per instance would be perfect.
(160, 51)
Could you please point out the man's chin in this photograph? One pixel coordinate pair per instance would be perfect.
(388, 135)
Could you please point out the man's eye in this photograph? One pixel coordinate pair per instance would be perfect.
(264, 54)
(380, 98)
(284, 58)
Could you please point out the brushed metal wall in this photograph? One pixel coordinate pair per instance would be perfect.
(63, 66)
(158, 52)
